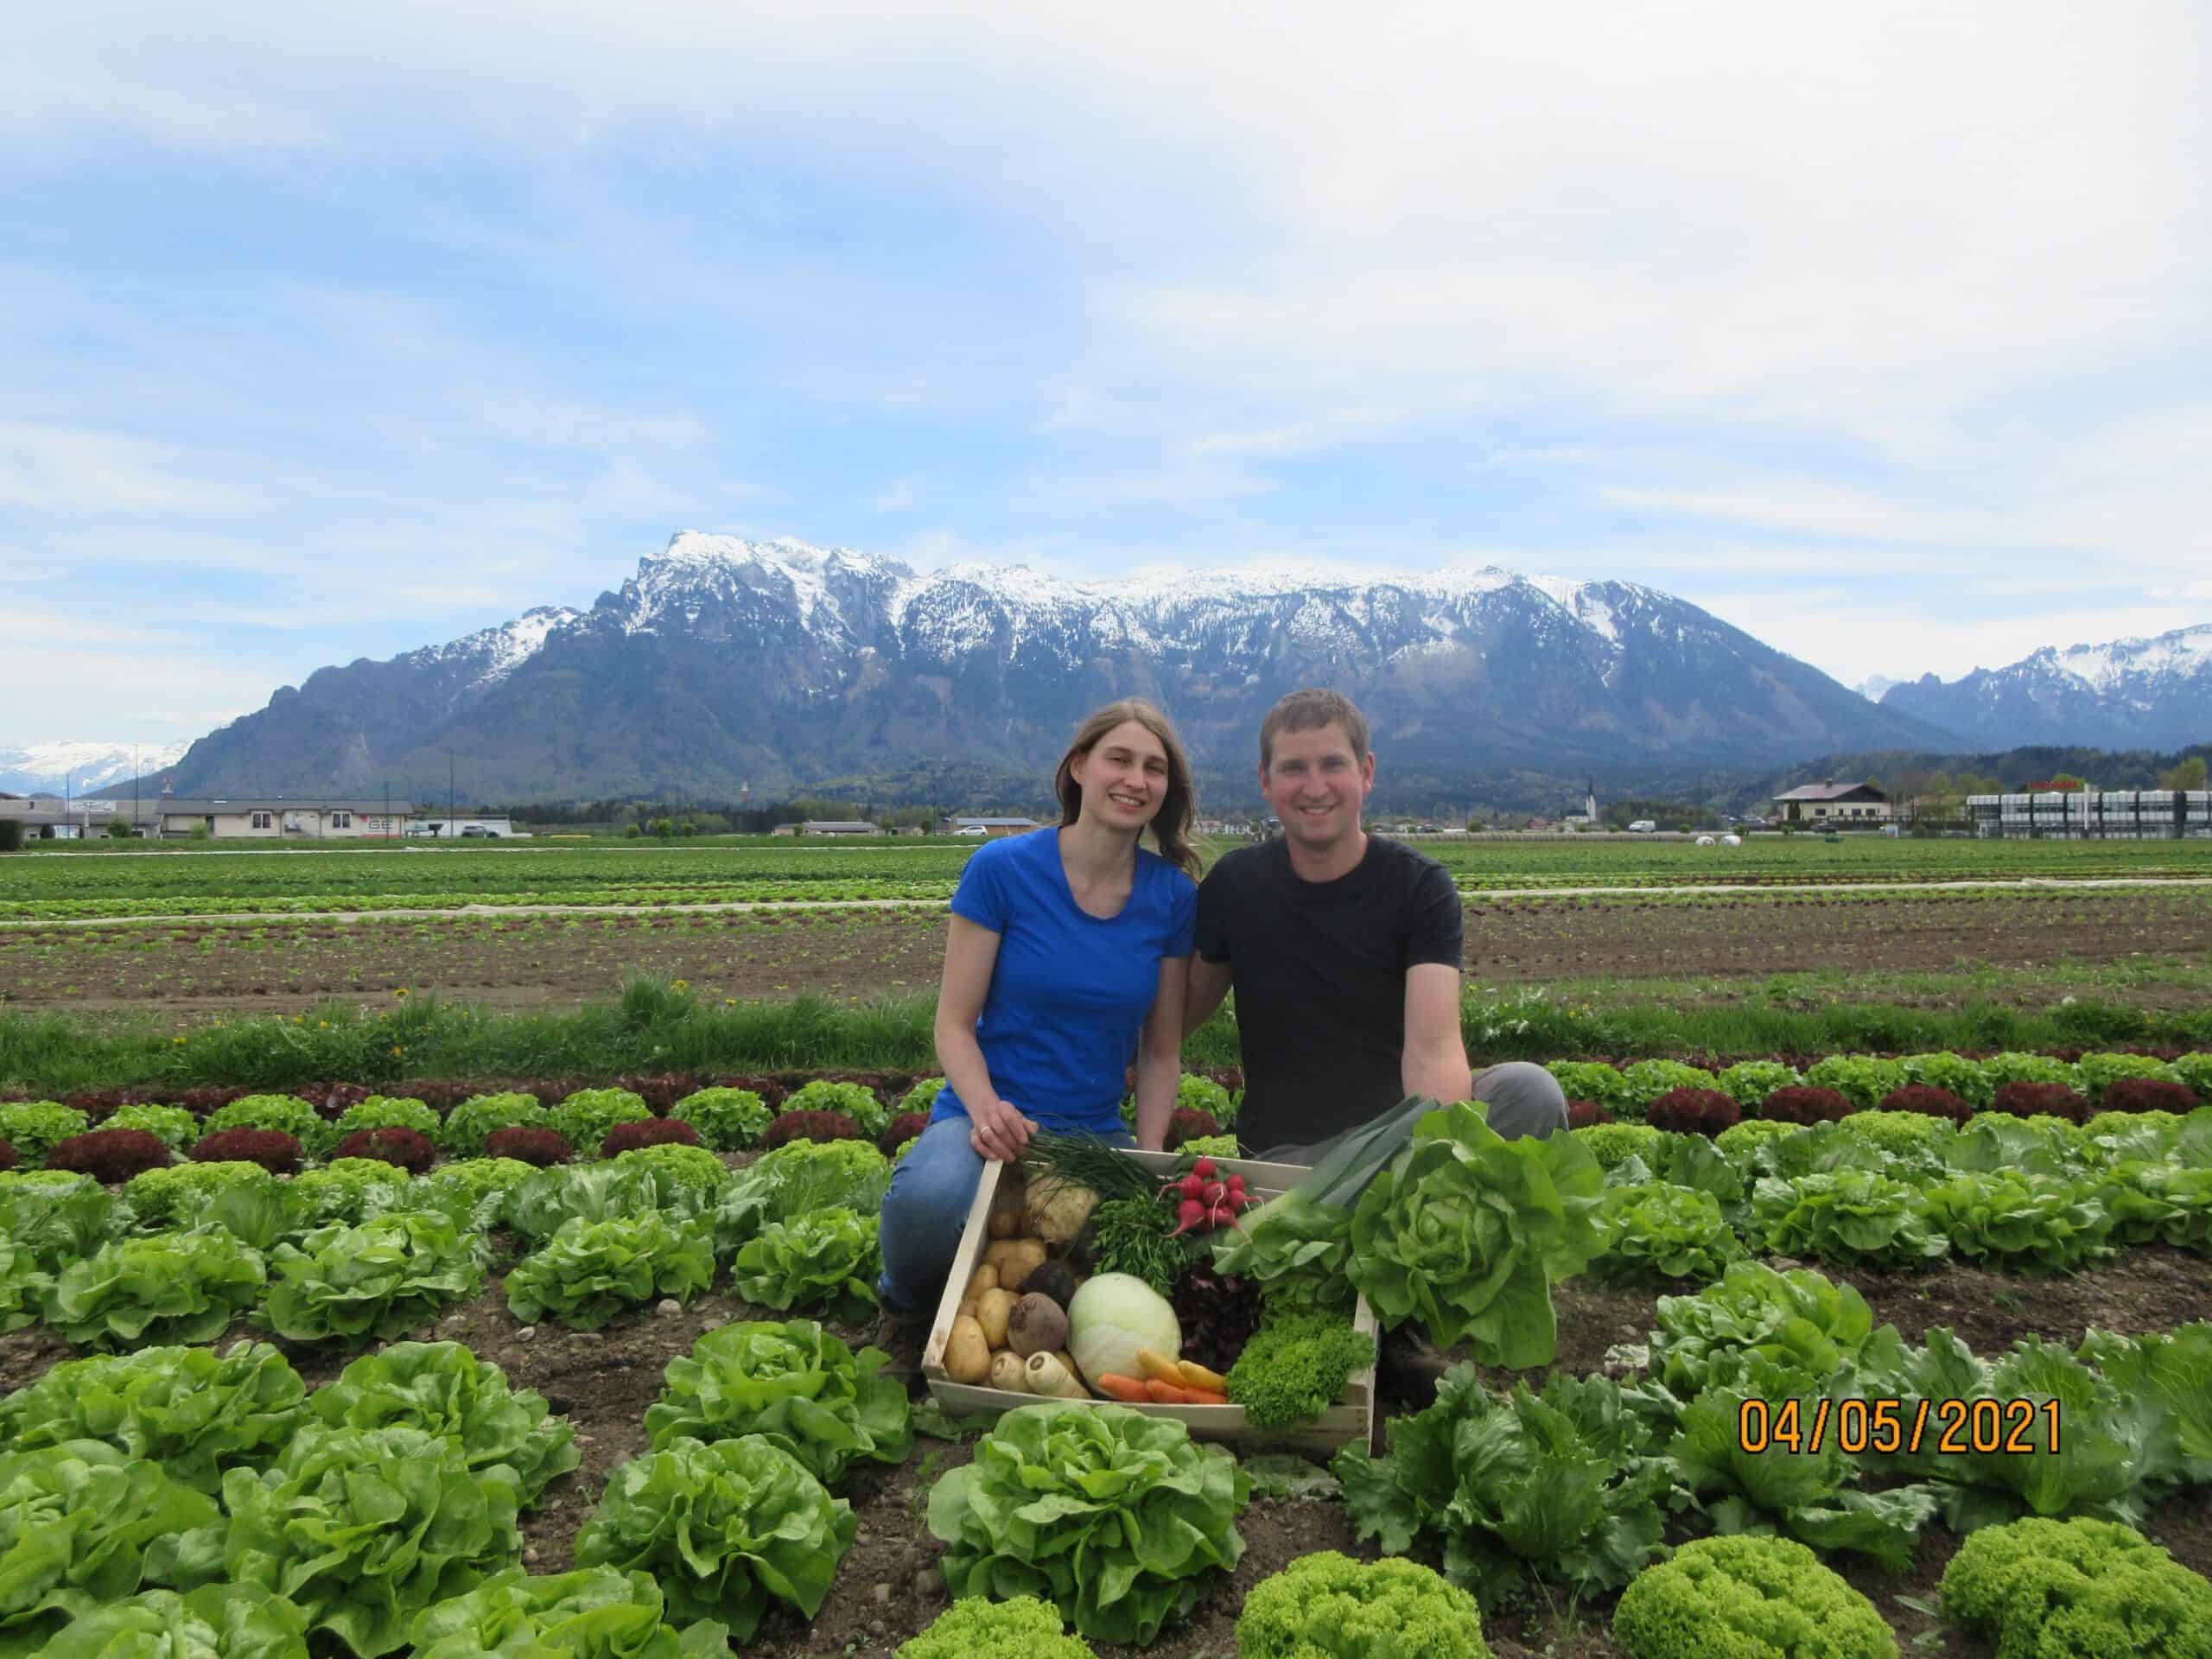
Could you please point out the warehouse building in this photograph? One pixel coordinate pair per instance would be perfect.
(2095, 814)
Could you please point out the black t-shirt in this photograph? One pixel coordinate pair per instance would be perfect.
(1319, 972)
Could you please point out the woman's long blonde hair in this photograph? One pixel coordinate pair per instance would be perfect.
(1179, 811)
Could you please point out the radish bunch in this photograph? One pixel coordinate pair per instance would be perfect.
(1203, 1201)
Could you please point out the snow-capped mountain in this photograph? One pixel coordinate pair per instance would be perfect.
(2153, 693)
(81, 768)
(1874, 687)
(722, 662)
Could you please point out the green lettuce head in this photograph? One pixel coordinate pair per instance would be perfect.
(1119, 1519)
(1466, 1230)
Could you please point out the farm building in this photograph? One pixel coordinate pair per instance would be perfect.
(45, 818)
(986, 826)
(2094, 815)
(839, 827)
(1831, 804)
(312, 817)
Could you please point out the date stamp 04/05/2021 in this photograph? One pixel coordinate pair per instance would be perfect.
(1949, 1427)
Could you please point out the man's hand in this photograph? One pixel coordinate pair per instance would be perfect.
(999, 1130)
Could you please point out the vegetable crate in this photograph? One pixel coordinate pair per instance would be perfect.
(1350, 1421)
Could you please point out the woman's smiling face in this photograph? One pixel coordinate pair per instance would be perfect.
(1124, 777)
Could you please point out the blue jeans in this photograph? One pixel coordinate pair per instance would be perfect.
(931, 1193)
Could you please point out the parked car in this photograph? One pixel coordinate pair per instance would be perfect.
(478, 832)
(1644, 826)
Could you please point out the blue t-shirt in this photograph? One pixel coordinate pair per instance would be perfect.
(1069, 990)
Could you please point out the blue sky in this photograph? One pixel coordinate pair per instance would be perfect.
(1883, 332)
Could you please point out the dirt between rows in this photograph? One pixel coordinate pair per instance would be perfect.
(284, 966)
(889, 1585)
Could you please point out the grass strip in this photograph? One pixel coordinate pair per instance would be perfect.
(652, 1028)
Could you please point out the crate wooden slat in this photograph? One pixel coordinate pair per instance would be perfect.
(1350, 1421)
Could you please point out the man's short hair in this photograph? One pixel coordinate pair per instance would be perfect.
(1309, 710)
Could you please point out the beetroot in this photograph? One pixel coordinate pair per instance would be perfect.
(410, 1149)
(1188, 1124)
(274, 1150)
(1695, 1111)
(110, 1155)
(904, 1127)
(2149, 1095)
(648, 1132)
(1805, 1102)
(809, 1126)
(544, 1147)
(1584, 1114)
(2041, 1100)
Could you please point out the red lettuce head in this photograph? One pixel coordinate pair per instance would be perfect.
(410, 1149)
(2042, 1100)
(274, 1150)
(648, 1132)
(1806, 1103)
(110, 1155)
(1695, 1111)
(544, 1147)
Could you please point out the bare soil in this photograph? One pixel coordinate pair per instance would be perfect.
(541, 962)
(888, 1587)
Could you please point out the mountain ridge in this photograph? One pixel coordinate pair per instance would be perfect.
(2153, 692)
(720, 662)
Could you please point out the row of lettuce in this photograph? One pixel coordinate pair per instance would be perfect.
(1863, 1081)
(1466, 1232)
(360, 1250)
(175, 1501)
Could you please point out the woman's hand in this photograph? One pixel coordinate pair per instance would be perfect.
(999, 1130)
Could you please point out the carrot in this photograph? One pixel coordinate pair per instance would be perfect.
(1157, 1364)
(1195, 1376)
(1205, 1397)
(1126, 1388)
(1167, 1394)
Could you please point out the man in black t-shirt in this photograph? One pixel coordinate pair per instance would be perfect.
(1345, 954)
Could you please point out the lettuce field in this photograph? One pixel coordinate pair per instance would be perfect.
(1855, 1354)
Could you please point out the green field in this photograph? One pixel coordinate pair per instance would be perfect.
(131, 881)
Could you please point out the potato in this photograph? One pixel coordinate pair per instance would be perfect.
(1015, 1259)
(985, 1278)
(1008, 1370)
(1006, 1209)
(967, 1355)
(993, 1309)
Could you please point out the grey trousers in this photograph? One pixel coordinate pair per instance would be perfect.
(1523, 1099)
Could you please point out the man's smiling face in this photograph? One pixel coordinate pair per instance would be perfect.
(1316, 785)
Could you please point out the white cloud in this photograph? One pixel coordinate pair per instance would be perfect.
(55, 469)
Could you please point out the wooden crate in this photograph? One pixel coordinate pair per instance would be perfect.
(1350, 1421)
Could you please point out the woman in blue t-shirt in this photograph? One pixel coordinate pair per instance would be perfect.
(1068, 956)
